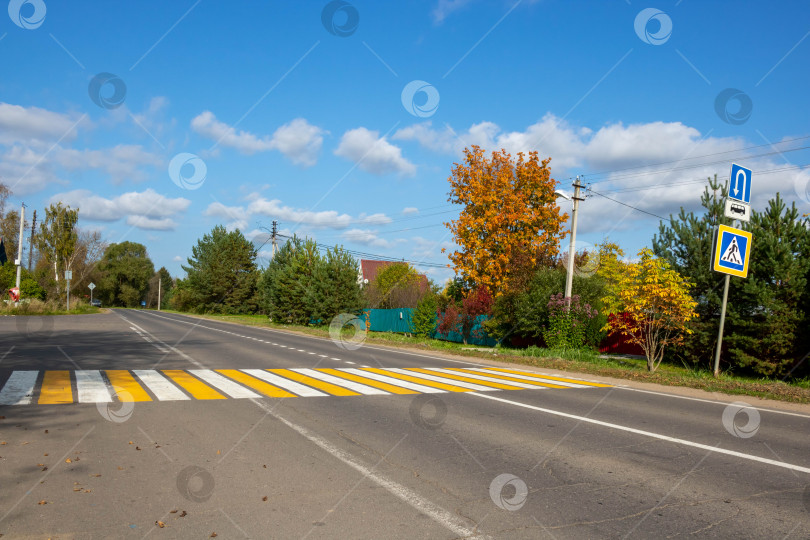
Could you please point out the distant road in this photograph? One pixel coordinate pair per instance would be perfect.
(114, 424)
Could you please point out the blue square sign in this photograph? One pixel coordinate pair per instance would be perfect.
(739, 185)
(732, 251)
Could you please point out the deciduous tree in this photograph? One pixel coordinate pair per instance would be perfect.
(509, 210)
(651, 305)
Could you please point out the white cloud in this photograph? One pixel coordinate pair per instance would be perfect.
(33, 126)
(145, 210)
(121, 162)
(642, 156)
(410, 210)
(275, 209)
(373, 154)
(445, 8)
(298, 140)
(368, 237)
(177, 258)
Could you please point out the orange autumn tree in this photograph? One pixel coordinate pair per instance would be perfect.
(510, 212)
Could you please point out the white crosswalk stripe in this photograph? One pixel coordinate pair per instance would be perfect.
(395, 382)
(286, 384)
(490, 379)
(159, 385)
(91, 387)
(550, 381)
(226, 385)
(19, 389)
(351, 385)
(434, 378)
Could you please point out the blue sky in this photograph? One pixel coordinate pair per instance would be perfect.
(297, 112)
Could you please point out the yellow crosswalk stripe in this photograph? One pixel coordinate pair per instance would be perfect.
(550, 377)
(369, 382)
(56, 388)
(507, 378)
(265, 388)
(425, 382)
(125, 387)
(465, 379)
(192, 385)
(329, 388)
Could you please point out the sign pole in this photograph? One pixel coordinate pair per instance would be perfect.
(722, 324)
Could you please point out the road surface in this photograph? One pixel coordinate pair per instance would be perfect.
(141, 424)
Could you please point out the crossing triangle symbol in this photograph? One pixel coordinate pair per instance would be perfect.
(732, 254)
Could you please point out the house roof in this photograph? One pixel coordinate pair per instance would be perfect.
(370, 268)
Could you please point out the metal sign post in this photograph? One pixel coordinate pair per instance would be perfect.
(91, 287)
(732, 245)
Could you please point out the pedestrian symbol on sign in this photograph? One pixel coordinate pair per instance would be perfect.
(732, 254)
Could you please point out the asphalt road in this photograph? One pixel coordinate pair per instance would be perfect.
(113, 424)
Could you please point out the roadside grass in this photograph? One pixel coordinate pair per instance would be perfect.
(579, 361)
(38, 307)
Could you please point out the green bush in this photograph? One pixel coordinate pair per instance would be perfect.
(425, 316)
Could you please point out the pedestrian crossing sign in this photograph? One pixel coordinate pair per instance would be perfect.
(732, 250)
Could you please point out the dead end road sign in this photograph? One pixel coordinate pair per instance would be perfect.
(732, 251)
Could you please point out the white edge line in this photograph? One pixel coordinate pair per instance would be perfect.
(767, 461)
(437, 513)
(716, 402)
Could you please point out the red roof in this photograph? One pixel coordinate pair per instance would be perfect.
(370, 269)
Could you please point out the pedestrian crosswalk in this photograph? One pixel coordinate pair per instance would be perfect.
(52, 387)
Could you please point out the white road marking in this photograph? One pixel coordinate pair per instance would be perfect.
(226, 385)
(349, 362)
(444, 517)
(286, 384)
(91, 387)
(159, 385)
(351, 385)
(337, 359)
(490, 379)
(528, 378)
(392, 380)
(442, 380)
(706, 447)
(19, 388)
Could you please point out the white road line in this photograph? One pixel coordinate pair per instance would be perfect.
(716, 402)
(454, 382)
(528, 378)
(91, 387)
(226, 385)
(349, 362)
(19, 388)
(159, 385)
(444, 517)
(336, 359)
(706, 447)
(351, 385)
(391, 380)
(286, 384)
(490, 379)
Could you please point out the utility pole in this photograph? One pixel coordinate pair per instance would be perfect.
(569, 278)
(159, 280)
(20, 246)
(275, 243)
(31, 246)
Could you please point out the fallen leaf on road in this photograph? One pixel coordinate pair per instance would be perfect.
(137, 448)
(95, 475)
(183, 514)
(68, 460)
(219, 452)
(24, 443)
(3, 443)
(264, 498)
(46, 455)
(44, 468)
(43, 501)
(77, 489)
(160, 524)
(173, 511)
(46, 431)
(130, 442)
(265, 466)
(120, 468)
(213, 535)
(40, 464)
(88, 490)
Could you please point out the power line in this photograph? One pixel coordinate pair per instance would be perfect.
(627, 205)
(700, 157)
